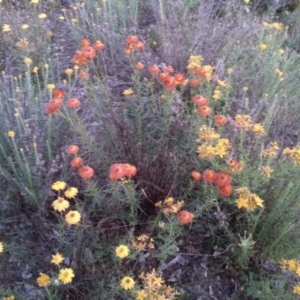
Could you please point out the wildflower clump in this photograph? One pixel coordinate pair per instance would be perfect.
(293, 154)
(291, 265)
(154, 288)
(271, 150)
(143, 243)
(248, 200)
(170, 206)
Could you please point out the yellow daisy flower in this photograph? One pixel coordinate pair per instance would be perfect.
(73, 217)
(71, 192)
(43, 280)
(122, 251)
(1, 247)
(58, 185)
(57, 259)
(11, 134)
(127, 283)
(60, 204)
(66, 275)
(42, 16)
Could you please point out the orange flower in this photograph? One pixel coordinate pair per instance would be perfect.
(200, 100)
(222, 179)
(131, 39)
(72, 149)
(185, 217)
(194, 81)
(169, 83)
(154, 70)
(139, 46)
(139, 66)
(85, 43)
(169, 70)
(129, 170)
(220, 120)
(235, 165)
(83, 74)
(204, 111)
(226, 190)
(180, 79)
(54, 105)
(196, 175)
(73, 103)
(98, 45)
(163, 76)
(88, 52)
(58, 93)
(76, 162)
(86, 172)
(116, 171)
(79, 58)
(209, 176)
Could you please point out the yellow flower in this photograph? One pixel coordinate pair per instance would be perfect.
(246, 1)
(271, 151)
(141, 295)
(207, 134)
(11, 134)
(34, 1)
(71, 192)
(50, 86)
(66, 275)
(280, 51)
(122, 251)
(73, 20)
(24, 26)
(127, 283)
(60, 204)
(277, 26)
(229, 71)
(223, 84)
(128, 92)
(43, 280)
(6, 28)
(257, 128)
(42, 16)
(69, 72)
(248, 200)
(243, 121)
(296, 289)
(10, 297)
(262, 47)
(245, 89)
(217, 94)
(57, 259)
(61, 18)
(266, 171)
(73, 217)
(27, 61)
(58, 185)
(1, 247)
(46, 66)
(35, 69)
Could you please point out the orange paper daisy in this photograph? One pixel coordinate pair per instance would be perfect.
(86, 172)
(54, 105)
(185, 217)
(72, 149)
(73, 103)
